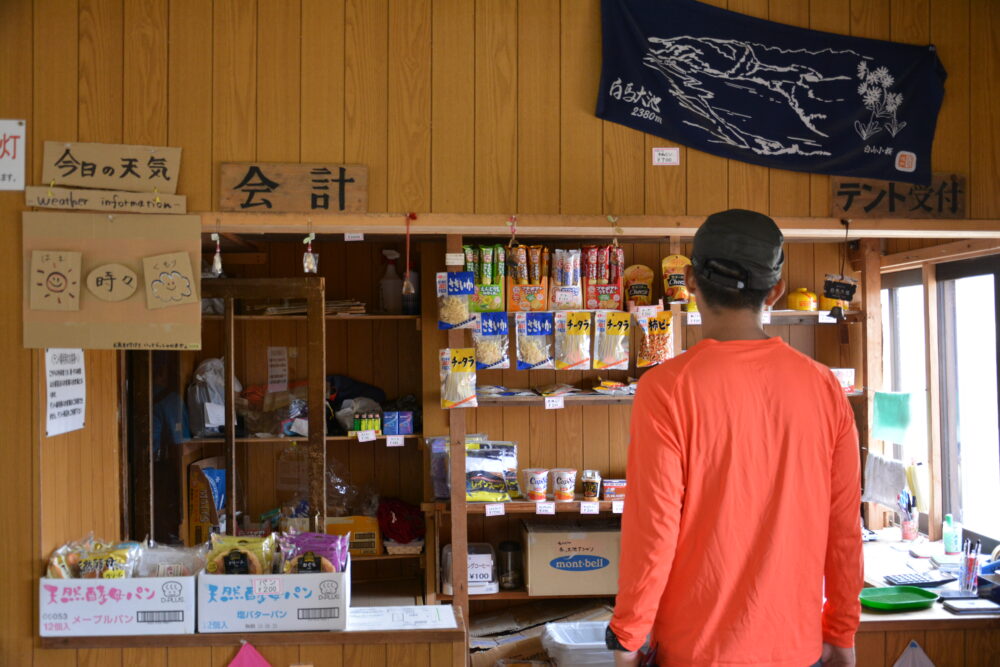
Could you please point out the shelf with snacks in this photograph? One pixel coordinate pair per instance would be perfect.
(530, 507)
(523, 595)
(339, 317)
(300, 439)
(539, 401)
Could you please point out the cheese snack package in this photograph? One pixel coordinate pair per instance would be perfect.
(458, 377)
(534, 341)
(639, 285)
(674, 285)
(611, 339)
(236, 554)
(572, 341)
(491, 340)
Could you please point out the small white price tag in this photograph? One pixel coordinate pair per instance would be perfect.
(266, 586)
(494, 509)
(666, 156)
(590, 508)
(694, 317)
(554, 403)
(824, 317)
(393, 441)
(765, 317)
(545, 508)
(366, 436)
(354, 236)
(454, 259)
(617, 506)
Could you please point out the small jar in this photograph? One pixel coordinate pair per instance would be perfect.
(591, 483)
(802, 299)
(511, 576)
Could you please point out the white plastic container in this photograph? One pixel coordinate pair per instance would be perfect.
(578, 643)
(482, 570)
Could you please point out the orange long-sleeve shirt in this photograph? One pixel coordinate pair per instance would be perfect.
(743, 495)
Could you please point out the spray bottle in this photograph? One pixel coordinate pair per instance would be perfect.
(390, 288)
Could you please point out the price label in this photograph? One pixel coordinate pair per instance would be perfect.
(454, 259)
(366, 436)
(266, 586)
(617, 506)
(393, 441)
(480, 567)
(545, 508)
(694, 318)
(824, 317)
(554, 403)
(494, 509)
(765, 317)
(354, 236)
(590, 508)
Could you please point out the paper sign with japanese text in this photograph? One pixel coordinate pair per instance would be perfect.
(286, 187)
(112, 166)
(12, 146)
(116, 244)
(111, 201)
(65, 391)
(945, 197)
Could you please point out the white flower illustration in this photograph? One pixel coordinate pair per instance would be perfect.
(880, 102)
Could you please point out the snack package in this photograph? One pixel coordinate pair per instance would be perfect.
(240, 555)
(534, 341)
(674, 287)
(603, 270)
(572, 341)
(485, 476)
(64, 563)
(160, 560)
(566, 289)
(489, 335)
(508, 455)
(116, 561)
(489, 265)
(313, 552)
(458, 378)
(611, 339)
(639, 285)
(454, 289)
(655, 341)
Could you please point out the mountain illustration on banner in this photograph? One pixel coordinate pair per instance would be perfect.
(770, 94)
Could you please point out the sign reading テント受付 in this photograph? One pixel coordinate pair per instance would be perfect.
(945, 197)
(12, 139)
(111, 166)
(282, 187)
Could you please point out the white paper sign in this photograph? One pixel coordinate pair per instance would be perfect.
(277, 369)
(454, 259)
(266, 586)
(824, 317)
(668, 157)
(554, 403)
(65, 391)
(694, 318)
(393, 441)
(13, 137)
(590, 507)
(765, 317)
(545, 508)
(430, 617)
(494, 509)
(215, 414)
(366, 436)
(617, 506)
(354, 236)
(480, 567)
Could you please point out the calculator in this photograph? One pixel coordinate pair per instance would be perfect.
(922, 579)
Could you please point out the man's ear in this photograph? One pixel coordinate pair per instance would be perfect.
(689, 279)
(775, 293)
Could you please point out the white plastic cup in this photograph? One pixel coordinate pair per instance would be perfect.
(536, 484)
(564, 484)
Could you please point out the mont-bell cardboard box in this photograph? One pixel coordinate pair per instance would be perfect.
(571, 557)
(106, 607)
(366, 539)
(273, 602)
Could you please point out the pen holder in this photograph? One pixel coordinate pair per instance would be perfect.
(968, 578)
(910, 529)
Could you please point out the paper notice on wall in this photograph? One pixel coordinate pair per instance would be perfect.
(65, 391)
(12, 146)
(277, 369)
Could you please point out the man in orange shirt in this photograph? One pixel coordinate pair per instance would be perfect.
(743, 483)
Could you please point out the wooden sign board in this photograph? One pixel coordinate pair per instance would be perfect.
(104, 200)
(97, 269)
(112, 166)
(285, 187)
(945, 197)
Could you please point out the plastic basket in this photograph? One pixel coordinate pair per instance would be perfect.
(577, 643)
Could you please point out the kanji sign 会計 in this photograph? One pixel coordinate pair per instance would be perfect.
(282, 187)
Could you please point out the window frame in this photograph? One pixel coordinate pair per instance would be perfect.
(891, 282)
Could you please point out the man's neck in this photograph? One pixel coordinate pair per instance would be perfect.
(725, 324)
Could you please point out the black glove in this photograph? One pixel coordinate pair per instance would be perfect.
(611, 641)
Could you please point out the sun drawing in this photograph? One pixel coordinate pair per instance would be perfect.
(57, 283)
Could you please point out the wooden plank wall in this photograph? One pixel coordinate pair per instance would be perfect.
(455, 106)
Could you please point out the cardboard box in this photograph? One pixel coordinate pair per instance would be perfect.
(366, 539)
(527, 297)
(106, 607)
(203, 516)
(273, 602)
(571, 557)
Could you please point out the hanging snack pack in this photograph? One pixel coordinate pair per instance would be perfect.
(240, 555)
(488, 264)
(572, 341)
(489, 335)
(485, 476)
(655, 340)
(603, 272)
(674, 286)
(508, 455)
(527, 281)
(639, 285)
(534, 341)
(454, 291)
(458, 378)
(566, 286)
(611, 340)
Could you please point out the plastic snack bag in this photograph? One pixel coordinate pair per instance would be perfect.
(64, 563)
(674, 285)
(534, 341)
(312, 552)
(489, 335)
(241, 555)
(453, 291)
(611, 340)
(160, 560)
(458, 378)
(639, 285)
(655, 340)
(485, 476)
(116, 561)
(572, 341)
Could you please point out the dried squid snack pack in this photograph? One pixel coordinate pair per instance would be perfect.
(454, 291)
(534, 341)
(491, 340)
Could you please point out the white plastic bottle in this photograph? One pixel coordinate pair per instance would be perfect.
(411, 300)
(390, 288)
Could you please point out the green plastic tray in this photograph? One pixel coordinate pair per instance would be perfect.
(898, 598)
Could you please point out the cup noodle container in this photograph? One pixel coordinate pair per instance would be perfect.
(564, 484)
(536, 484)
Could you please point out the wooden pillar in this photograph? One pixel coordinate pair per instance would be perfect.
(871, 303)
(934, 516)
(229, 345)
(316, 355)
(142, 463)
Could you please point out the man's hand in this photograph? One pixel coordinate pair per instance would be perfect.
(834, 656)
(627, 659)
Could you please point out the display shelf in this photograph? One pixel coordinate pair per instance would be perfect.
(279, 440)
(794, 317)
(539, 401)
(277, 318)
(367, 559)
(522, 595)
(524, 507)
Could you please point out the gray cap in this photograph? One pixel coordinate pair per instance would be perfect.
(738, 249)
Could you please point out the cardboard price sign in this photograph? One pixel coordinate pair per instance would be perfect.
(284, 187)
(945, 197)
(112, 166)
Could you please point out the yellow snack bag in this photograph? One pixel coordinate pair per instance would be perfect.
(235, 554)
(111, 562)
(674, 286)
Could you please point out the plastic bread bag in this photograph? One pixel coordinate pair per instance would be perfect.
(655, 339)
(160, 560)
(489, 335)
(611, 338)
(485, 476)
(64, 563)
(311, 552)
(453, 292)
(572, 340)
(458, 378)
(534, 341)
(115, 561)
(240, 555)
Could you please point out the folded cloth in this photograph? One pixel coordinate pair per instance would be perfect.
(884, 479)
(891, 416)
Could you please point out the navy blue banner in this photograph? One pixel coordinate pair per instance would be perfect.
(770, 94)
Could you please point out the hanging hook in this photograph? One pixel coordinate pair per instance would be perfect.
(615, 229)
(512, 223)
